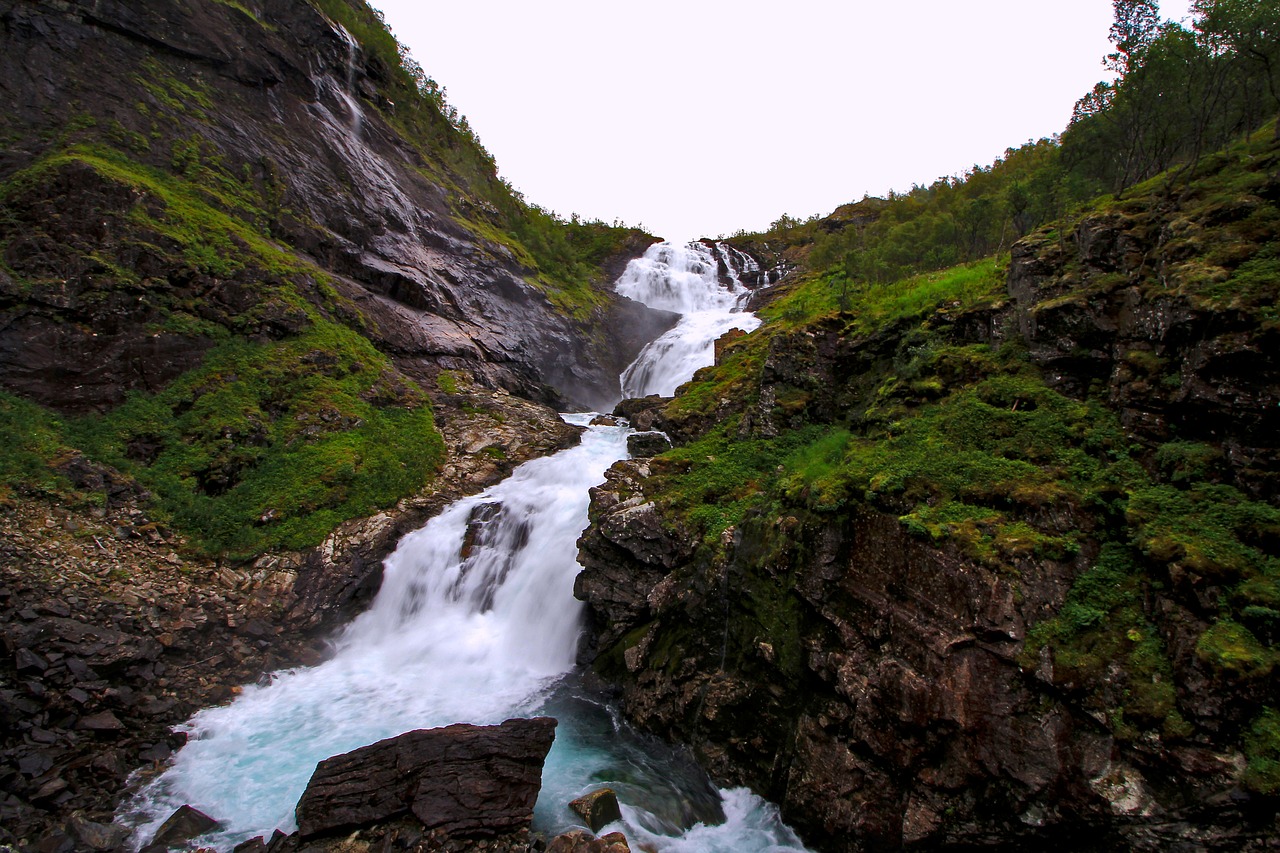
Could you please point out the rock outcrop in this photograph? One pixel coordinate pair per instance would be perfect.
(461, 780)
(178, 177)
(892, 688)
(598, 808)
(577, 841)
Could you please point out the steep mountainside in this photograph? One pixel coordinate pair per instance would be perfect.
(989, 557)
(265, 306)
(175, 171)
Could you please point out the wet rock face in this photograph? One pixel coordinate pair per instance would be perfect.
(461, 780)
(280, 100)
(869, 683)
(855, 672)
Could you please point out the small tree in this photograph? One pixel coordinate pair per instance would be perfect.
(1136, 26)
(1249, 29)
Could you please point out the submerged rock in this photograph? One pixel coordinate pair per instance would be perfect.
(461, 780)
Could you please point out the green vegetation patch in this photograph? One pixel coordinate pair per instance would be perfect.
(1104, 648)
(1212, 530)
(1233, 649)
(272, 445)
(715, 481)
(1262, 749)
(201, 223)
(34, 448)
(869, 307)
(177, 96)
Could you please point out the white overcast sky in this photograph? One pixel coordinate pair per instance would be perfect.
(701, 117)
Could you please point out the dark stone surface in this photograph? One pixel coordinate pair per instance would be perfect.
(463, 780)
(276, 92)
(577, 841)
(868, 680)
(647, 444)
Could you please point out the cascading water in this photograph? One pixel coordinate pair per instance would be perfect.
(476, 622)
(348, 93)
(686, 280)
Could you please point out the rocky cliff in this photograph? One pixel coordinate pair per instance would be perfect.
(988, 560)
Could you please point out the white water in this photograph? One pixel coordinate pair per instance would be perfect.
(475, 622)
(348, 94)
(683, 279)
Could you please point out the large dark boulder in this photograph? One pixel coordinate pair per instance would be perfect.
(462, 780)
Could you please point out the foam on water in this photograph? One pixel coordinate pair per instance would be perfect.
(449, 639)
(684, 279)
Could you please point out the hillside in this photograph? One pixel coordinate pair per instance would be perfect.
(980, 555)
(974, 544)
(239, 270)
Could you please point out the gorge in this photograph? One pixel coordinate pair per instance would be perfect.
(949, 521)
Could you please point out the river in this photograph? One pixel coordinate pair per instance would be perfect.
(476, 622)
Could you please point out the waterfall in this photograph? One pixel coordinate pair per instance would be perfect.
(684, 279)
(475, 622)
(348, 93)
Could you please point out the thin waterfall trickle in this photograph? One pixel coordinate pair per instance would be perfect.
(348, 93)
(475, 622)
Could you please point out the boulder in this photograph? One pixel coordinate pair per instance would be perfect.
(598, 808)
(644, 413)
(183, 825)
(462, 780)
(97, 836)
(644, 444)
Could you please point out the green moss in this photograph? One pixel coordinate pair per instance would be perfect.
(447, 381)
(1104, 648)
(1187, 461)
(177, 96)
(272, 445)
(34, 449)
(715, 481)
(1233, 650)
(869, 307)
(1208, 529)
(732, 380)
(1262, 750)
(207, 225)
(244, 10)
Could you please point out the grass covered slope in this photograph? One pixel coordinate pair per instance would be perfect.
(276, 419)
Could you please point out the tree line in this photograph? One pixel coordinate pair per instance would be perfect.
(1176, 94)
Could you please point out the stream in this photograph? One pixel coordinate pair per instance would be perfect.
(476, 622)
